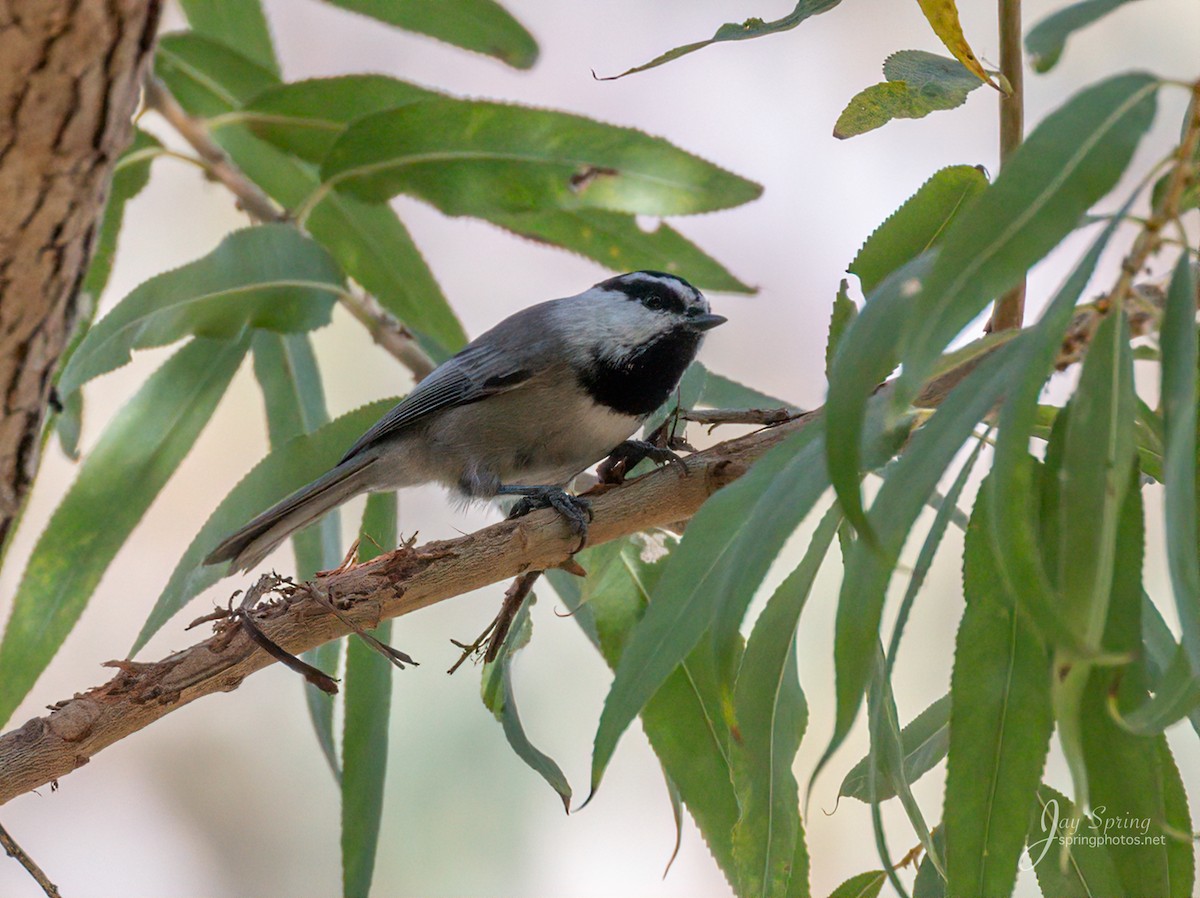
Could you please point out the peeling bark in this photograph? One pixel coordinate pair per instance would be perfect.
(70, 75)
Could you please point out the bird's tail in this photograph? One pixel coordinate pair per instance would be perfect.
(254, 542)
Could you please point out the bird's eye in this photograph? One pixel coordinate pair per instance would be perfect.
(654, 302)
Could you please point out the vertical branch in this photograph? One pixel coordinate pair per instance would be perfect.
(1010, 308)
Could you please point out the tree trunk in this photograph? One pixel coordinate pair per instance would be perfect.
(70, 75)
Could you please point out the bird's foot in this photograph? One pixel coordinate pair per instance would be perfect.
(576, 511)
(629, 454)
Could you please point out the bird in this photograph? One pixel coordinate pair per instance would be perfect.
(520, 411)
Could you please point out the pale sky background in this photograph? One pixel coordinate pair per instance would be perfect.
(230, 796)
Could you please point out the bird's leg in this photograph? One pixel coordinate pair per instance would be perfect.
(627, 456)
(574, 509)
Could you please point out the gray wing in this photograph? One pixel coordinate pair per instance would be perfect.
(474, 374)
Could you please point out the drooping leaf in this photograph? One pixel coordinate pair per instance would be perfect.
(771, 715)
(482, 26)
(741, 31)
(1071, 160)
(478, 158)
(135, 456)
(683, 720)
(368, 239)
(284, 470)
(929, 883)
(616, 241)
(901, 498)
(943, 18)
(1179, 396)
(294, 401)
(864, 885)
(1046, 40)
(917, 84)
(925, 742)
(1000, 725)
(844, 312)
(239, 23)
(1176, 690)
(499, 698)
(270, 277)
(305, 118)
(1089, 870)
(367, 693)
(919, 223)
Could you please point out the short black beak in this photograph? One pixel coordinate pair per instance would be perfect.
(705, 322)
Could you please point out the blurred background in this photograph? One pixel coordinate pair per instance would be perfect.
(231, 796)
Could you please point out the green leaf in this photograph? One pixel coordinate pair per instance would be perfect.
(901, 498)
(269, 276)
(616, 241)
(368, 696)
(499, 698)
(305, 118)
(1175, 690)
(1178, 342)
(720, 559)
(1046, 39)
(478, 158)
(741, 31)
(130, 176)
(723, 392)
(864, 885)
(368, 240)
(137, 453)
(924, 743)
(1021, 568)
(683, 720)
(1073, 158)
(843, 314)
(1089, 869)
(929, 883)
(771, 716)
(284, 470)
(241, 24)
(482, 26)
(1000, 725)
(917, 84)
(294, 401)
(919, 223)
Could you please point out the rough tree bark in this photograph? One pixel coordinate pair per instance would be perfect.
(70, 74)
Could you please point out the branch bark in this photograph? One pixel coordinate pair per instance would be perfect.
(406, 580)
(70, 75)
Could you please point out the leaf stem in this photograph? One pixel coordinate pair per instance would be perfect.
(1010, 308)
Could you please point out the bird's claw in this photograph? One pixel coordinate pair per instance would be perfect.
(575, 510)
(630, 453)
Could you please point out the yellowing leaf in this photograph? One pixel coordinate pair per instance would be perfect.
(943, 18)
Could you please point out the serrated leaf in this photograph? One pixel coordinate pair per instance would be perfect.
(917, 84)
(719, 558)
(367, 694)
(683, 720)
(1000, 725)
(368, 240)
(1089, 869)
(282, 471)
(135, 456)
(1179, 396)
(924, 743)
(864, 885)
(241, 24)
(616, 241)
(1021, 567)
(943, 18)
(305, 118)
(771, 715)
(482, 26)
(1073, 158)
(269, 276)
(901, 498)
(294, 401)
(1175, 688)
(918, 224)
(478, 158)
(496, 690)
(843, 314)
(1045, 41)
(740, 31)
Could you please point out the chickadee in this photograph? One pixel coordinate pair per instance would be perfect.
(523, 409)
